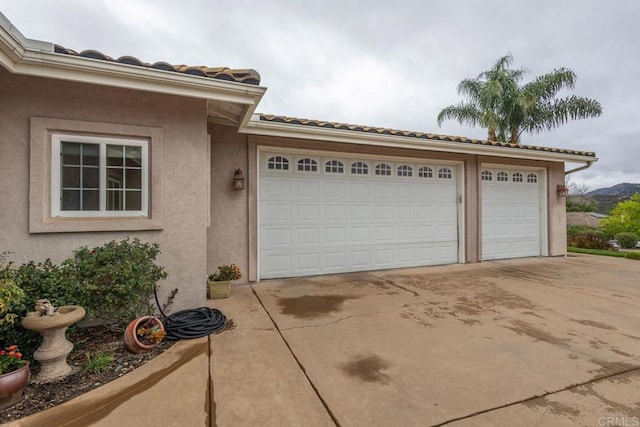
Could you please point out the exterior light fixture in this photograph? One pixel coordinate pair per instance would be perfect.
(563, 190)
(238, 180)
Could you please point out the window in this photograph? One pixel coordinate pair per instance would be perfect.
(502, 177)
(532, 178)
(334, 166)
(486, 176)
(425, 172)
(278, 163)
(445, 173)
(383, 169)
(405, 170)
(517, 177)
(98, 176)
(307, 165)
(359, 168)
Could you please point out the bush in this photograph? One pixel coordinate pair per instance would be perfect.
(115, 281)
(632, 255)
(588, 240)
(627, 240)
(575, 229)
(13, 307)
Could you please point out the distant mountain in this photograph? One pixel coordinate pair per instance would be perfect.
(624, 189)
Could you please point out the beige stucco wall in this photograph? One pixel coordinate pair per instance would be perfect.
(233, 231)
(182, 233)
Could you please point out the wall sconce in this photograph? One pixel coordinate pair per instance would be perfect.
(238, 180)
(563, 190)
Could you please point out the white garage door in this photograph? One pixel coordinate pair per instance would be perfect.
(512, 225)
(322, 214)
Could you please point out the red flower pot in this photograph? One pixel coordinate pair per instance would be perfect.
(12, 385)
(131, 340)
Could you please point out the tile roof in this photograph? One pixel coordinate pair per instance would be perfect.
(247, 76)
(411, 134)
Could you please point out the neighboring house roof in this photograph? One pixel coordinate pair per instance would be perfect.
(413, 134)
(247, 76)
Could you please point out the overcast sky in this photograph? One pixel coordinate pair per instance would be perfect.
(381, 63)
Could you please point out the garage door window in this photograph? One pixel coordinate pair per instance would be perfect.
(487, 176)
(359, 168)
(502, 177)
(517, 177)
(532, 178)
(445, 173)
(334, 166)
(425, 172)
(383, 169)
(278, 163)
(307, 165)
(405, 170)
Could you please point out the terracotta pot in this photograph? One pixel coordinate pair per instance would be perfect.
(12, 385)
(219, 288)
(131, 340)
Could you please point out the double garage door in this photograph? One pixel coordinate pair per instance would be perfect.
(321, 214)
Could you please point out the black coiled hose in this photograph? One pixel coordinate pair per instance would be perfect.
(192, 323)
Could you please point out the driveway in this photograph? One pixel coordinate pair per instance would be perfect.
(540, 341)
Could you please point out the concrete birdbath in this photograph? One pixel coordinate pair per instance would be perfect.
(52, 353)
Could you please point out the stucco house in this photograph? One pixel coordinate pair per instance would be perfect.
(94, 148)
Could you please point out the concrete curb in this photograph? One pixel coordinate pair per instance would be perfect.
(172, 389)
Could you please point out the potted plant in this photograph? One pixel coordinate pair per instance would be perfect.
(219, 283)
(144, 334)
(14, 376)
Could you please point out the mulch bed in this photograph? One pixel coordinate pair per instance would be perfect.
(87, 342)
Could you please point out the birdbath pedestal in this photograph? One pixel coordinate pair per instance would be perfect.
(52, 353)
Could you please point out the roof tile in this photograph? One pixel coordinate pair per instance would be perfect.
(420, 135)
(246, 76)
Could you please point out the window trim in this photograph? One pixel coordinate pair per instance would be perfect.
(40, 219)
(56, 185)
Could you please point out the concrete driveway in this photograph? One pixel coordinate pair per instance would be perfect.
(542, 341)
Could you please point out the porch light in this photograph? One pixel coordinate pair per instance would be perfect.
(563, 190)
(238, 180)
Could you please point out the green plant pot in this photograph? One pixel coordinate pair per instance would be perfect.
(219, 289)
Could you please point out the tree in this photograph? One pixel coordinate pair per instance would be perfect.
(578, 199)
(496, 101)
(624, 218)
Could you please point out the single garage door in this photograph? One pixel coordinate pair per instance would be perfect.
(321, 214)
(512, 223)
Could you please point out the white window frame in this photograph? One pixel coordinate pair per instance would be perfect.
(56, 185)
(424, 171)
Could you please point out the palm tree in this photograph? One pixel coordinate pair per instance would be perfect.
(497, 102)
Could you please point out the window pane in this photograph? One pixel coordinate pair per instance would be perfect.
(90, 200)
(90, 154)
(70, 153)
(134, 178)
(90, 177)
(70, 200)
(114, 178)
(114, 155)
(133, 156)
(133, 200)
(114, 200)
(70, 177)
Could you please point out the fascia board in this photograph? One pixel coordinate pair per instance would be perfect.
(258, 127)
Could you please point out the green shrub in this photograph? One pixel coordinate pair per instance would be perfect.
(575, 229)
(632, 255)
(627, 240)
(13, 307)
(50, 281)
(115, 281)
(588, 240)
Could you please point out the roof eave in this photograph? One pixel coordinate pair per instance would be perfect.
(267, 128)
(29, 57)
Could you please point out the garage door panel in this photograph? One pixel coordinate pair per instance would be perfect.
(316, 223)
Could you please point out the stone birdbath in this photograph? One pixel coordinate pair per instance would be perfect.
(52, 324)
